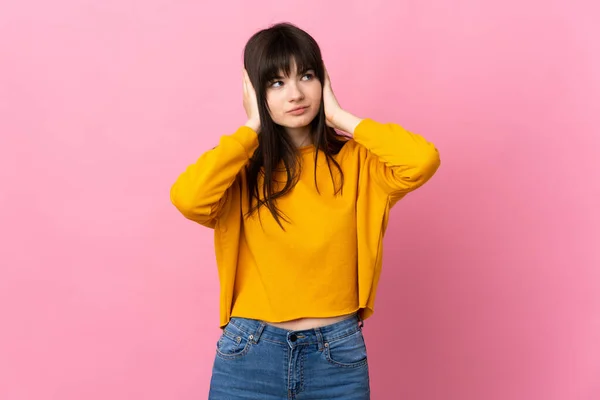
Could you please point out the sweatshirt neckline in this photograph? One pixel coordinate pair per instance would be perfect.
(306, 149)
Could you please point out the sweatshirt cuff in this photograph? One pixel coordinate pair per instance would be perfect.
(248, 138)
(365, 127)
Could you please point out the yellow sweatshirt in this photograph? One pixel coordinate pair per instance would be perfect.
(327, 262)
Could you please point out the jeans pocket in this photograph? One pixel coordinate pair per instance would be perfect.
(233, 343)
(349, 351)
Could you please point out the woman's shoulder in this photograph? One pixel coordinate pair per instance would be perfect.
(352, 149)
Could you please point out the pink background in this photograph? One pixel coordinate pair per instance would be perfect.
(491, 276)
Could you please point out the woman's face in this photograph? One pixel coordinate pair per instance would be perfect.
(285, 94)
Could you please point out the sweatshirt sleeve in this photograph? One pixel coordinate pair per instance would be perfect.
(399, 161)
(201, 190)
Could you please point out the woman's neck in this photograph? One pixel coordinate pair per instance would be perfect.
(300, 136)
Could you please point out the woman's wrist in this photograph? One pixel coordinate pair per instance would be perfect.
(254, 125)
(345, 121)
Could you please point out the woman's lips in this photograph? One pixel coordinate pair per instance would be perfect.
(298, 111)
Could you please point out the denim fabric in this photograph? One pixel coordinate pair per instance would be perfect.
(255, 360)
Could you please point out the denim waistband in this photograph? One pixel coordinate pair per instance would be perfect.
(258, 330)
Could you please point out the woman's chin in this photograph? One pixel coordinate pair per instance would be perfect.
(298, 122)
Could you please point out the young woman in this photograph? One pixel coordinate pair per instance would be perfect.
(299, 212)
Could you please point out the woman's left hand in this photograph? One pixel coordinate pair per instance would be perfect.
(332, 107)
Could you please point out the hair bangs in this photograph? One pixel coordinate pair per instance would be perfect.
(279, 56)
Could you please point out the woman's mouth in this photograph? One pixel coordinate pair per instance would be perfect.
(298, 111)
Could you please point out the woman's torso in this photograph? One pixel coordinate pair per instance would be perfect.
(321, 236)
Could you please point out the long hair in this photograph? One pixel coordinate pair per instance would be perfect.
(266, 54)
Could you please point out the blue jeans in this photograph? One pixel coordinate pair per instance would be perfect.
(255, 360)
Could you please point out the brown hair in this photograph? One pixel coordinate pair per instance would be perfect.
(268, 53)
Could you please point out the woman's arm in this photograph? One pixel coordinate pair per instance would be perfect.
(200, 192)
(402, 162)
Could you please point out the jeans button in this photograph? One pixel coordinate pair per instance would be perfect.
(293, 337)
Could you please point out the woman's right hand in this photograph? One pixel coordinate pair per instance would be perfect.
(251, 104)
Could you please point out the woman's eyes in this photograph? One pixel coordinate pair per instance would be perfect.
(309, 75)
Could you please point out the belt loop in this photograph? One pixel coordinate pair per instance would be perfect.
(259, 330)
(361, 323)
(319, 339)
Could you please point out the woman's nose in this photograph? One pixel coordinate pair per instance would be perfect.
(295, 91)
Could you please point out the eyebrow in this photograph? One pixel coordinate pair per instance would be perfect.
(301, 73)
